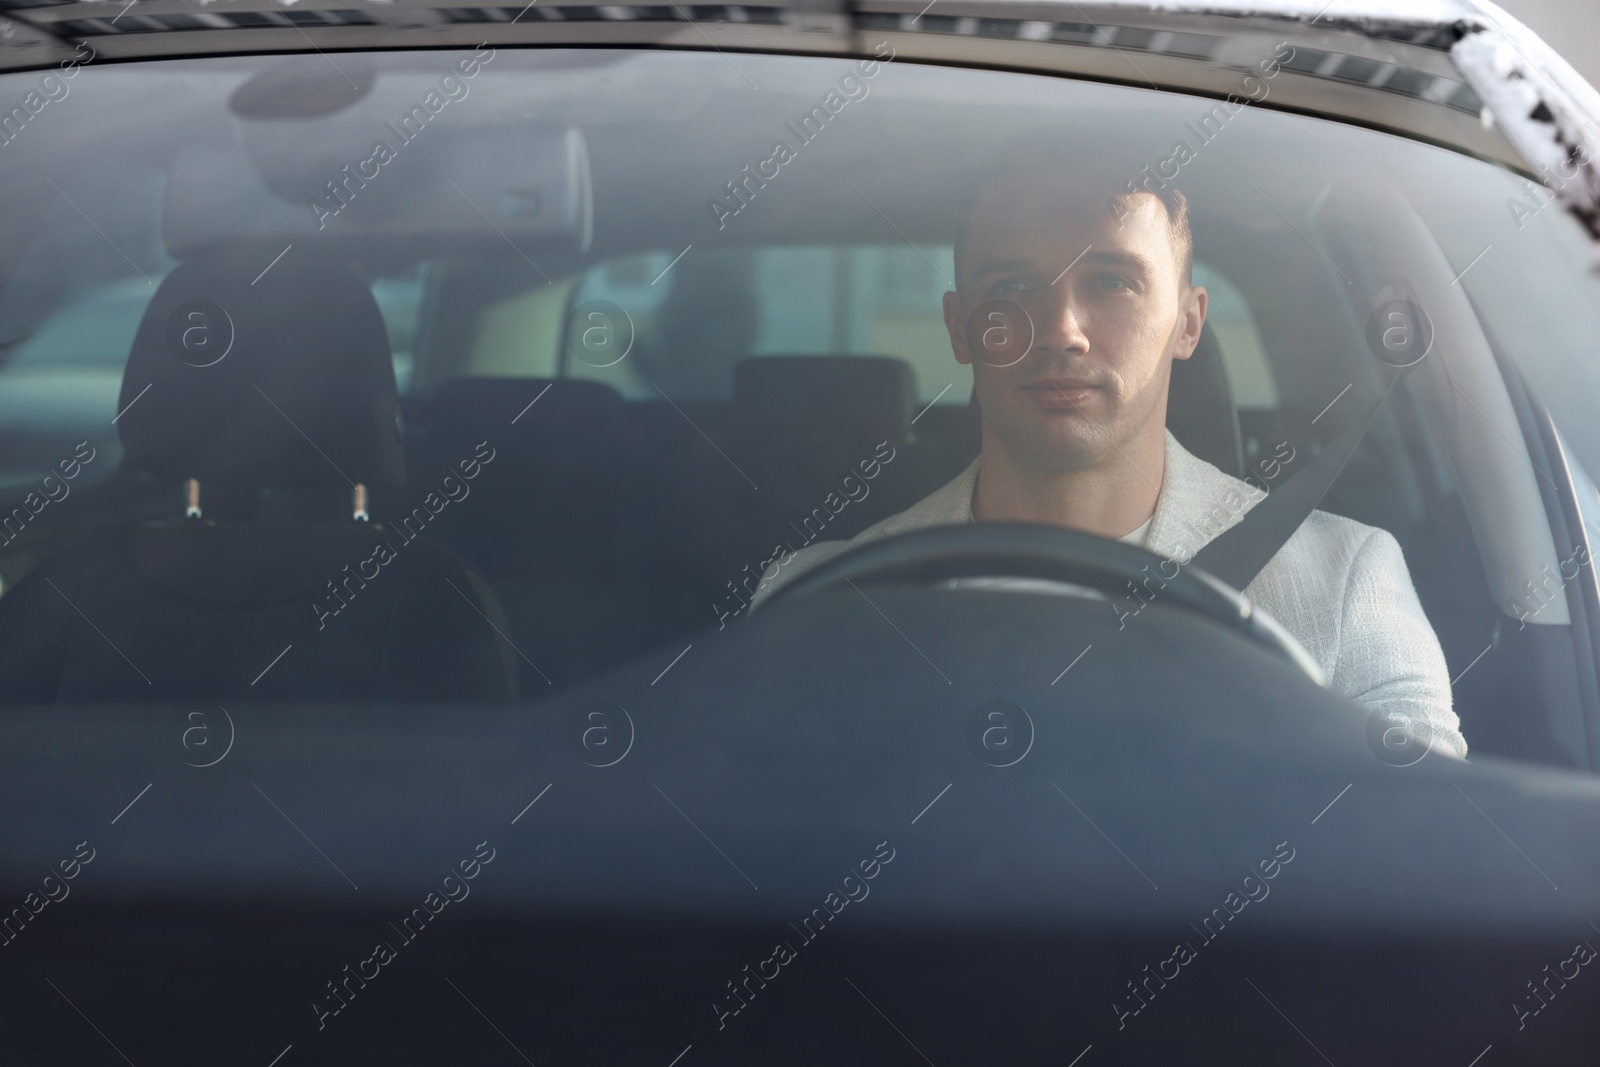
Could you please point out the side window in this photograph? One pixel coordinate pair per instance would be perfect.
(692, 319)
(602, 346)
(68, 315)
(399, 300)
(896, 309)
(1244, 356)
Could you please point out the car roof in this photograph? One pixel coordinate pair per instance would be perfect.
(38, 19)
(1474, 79)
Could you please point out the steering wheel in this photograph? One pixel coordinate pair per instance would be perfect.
(1052, 553)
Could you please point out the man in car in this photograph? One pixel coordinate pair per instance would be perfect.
(1074, 428)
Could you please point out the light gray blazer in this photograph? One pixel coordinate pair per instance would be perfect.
(1340, 587)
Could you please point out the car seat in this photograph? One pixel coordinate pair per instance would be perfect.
(265, 404)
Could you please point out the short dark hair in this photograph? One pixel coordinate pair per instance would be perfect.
(1092, 164)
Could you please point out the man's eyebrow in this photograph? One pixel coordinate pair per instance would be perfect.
(1112, 258)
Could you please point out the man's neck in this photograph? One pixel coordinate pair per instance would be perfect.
(1109, 499)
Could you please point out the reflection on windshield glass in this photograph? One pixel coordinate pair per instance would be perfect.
(693, 480)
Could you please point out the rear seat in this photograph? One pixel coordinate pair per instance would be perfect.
(611, 529)
(809, 421)
(798, 427)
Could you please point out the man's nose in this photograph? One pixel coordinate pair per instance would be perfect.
(1058, 323)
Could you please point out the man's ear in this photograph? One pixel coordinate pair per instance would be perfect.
(956, 328)
(1191, 319)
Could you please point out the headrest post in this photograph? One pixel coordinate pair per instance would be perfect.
(360, 503)
(192, 493)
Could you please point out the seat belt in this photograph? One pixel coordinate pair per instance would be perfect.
(1239, 553)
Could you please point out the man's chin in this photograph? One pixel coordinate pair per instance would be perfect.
(1060, 448)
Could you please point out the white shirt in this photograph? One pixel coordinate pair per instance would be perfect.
(1340, 587)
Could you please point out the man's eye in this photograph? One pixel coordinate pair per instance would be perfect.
(1009, 285)
(1111, 281)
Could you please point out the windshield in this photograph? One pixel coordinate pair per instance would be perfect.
(814, 218)
(495, 388)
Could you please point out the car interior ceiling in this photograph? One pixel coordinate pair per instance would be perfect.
(608, 528)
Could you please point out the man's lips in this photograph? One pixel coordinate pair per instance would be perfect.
(1059, 392)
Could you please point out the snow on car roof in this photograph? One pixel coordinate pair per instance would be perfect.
(1343, 11)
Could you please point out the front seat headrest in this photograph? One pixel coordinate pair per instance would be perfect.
(253, 380)
(1200, 409)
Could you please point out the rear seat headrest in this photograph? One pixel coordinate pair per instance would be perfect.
(874, 395)
(282, 379)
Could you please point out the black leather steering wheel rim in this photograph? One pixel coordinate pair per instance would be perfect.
(1052, 553)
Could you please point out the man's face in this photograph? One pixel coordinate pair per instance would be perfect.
(1109, 313)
